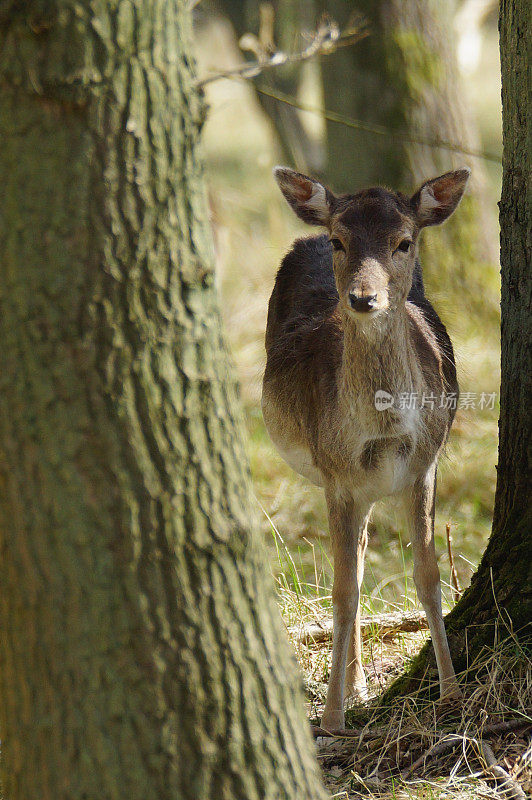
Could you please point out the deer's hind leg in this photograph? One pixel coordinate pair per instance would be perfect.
(347, 524)
(420, 509)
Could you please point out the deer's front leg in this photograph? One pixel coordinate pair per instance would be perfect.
(355, 679)
(420, 509)
(346, 523)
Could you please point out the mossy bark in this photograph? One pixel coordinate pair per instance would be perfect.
(404, 77)
(500, 595)
(141, 655)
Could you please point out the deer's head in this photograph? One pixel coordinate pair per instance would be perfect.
(373, 234)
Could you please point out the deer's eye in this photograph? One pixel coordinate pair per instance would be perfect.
(337, 245)
(404, 246)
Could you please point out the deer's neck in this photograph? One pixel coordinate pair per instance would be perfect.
(376, 357)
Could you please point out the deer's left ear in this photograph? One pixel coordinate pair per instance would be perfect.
(437, 199)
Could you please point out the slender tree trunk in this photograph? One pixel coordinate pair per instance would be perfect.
(141, 653)
(502, 587)
(404, 76)
(501, 591)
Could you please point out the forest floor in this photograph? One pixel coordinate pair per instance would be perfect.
(411, 747)
(253, 228)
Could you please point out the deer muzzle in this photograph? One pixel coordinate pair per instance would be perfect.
(362, 302)
(368, 291)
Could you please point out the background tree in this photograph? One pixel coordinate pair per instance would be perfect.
(280, 24)
(404, 77)
(141, 653)
(501, 590)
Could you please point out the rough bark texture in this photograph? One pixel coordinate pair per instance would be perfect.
(141, 653)
(404, 76)
(501, 590)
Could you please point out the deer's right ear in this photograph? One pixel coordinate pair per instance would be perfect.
(310, 200)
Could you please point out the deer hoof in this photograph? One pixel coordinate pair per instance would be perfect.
(449, 703)
(451, 693)
(358, 691)
(333, 720)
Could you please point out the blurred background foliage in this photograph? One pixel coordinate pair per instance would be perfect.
(427, 71)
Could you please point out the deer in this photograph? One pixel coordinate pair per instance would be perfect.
(349, 333)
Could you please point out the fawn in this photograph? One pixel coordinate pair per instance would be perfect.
(350, 331)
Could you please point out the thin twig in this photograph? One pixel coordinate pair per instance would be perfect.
(380, 130)
(454, 575)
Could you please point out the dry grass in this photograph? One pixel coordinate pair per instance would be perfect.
(390, 740)
(304, 596)
(378, 762)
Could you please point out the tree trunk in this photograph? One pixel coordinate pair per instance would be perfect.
(141, 655)
(502, 587)
(501, 590)
(404, 77)
(290, 18)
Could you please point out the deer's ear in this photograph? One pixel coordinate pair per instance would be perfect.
(310, 200)
(437, 199)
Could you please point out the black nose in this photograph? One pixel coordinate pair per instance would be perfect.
(365, 302)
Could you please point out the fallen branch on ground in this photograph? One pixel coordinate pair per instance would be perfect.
(507, 785)
(445, 743)
(450, 740)
(349, 733)
(378, 625)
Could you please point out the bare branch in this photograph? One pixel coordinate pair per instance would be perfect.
(325, 40)
(380, 130)
(446, 742)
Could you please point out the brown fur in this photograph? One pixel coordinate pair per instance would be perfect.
(326, 359)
